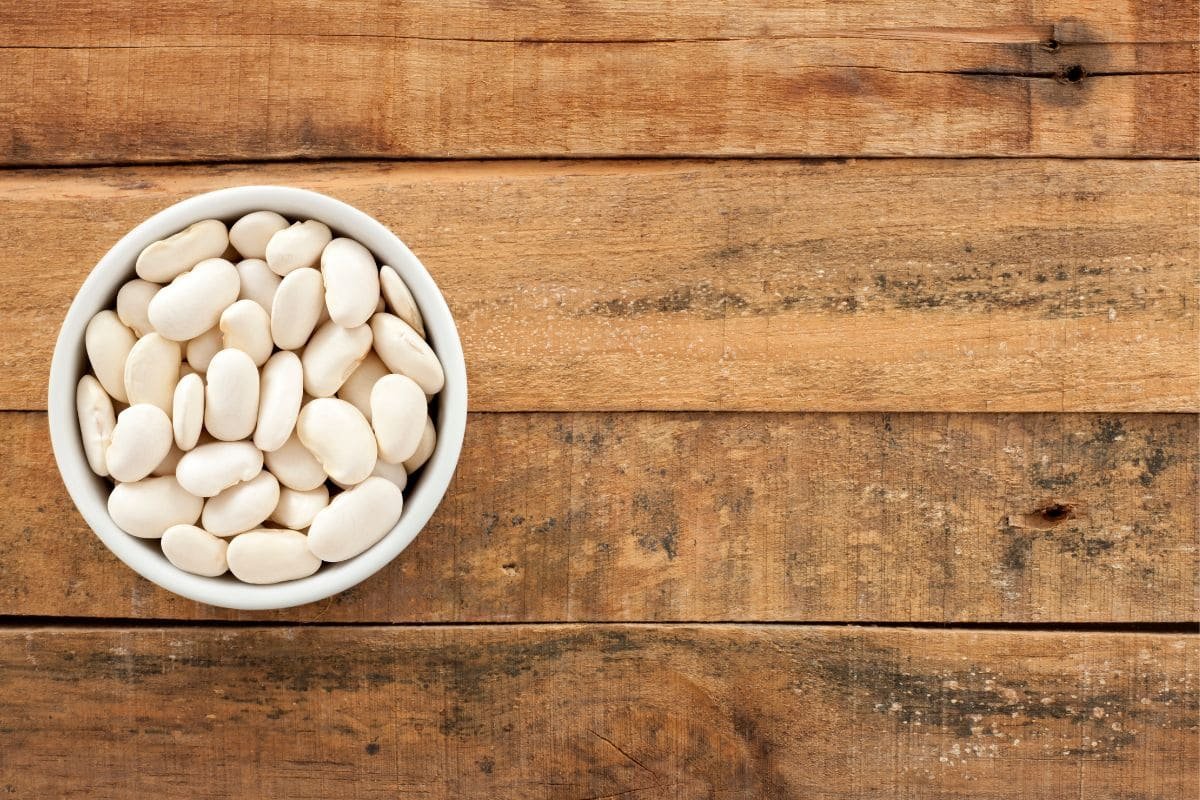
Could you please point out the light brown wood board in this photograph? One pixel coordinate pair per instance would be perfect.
(225, 80)
(1023, 518)
(894, 285)
(595, 711)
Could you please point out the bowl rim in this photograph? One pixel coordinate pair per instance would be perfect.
(96, 293)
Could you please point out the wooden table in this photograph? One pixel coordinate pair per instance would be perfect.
(834, 378)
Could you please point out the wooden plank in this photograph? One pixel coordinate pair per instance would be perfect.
(762, 517)
(597, 711)
(285, 80)
(939, 285)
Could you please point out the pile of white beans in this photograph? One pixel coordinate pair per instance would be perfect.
(258, 417)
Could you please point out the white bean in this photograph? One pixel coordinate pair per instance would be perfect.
(271, 556)
(246, 326)
(147, 508)
(351, 282)
(133, 304)
(187, 411)
(141, 439)
(201, 350)
(331, 355)
(297, 306)
(355, 519)
(96, 421)
(398, 412)
(195, 550)
(296, 510)
(258, 283)
(424, 448)
(340, 437)
(175, 255)
(357, 388)
(193, 302)
(169, 463)
(279, 400)
(396, 473)
(242, 506)
(208, 469)
(152, 370)
(405, 352)
(297, 247)
(231, 396)
(251, 233)
(108, 343)
(294, 466)
(400, 299)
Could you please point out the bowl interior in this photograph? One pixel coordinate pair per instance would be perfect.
(90, 492)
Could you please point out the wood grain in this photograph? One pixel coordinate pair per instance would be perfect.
(596, 712)
(941, 285)
(789, 517)
(223, 80)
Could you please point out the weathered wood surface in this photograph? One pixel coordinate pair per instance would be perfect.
(596, 712)
(790, 517)
(227, 80)
(942, 285)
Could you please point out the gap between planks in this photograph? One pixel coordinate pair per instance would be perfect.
(40, 624)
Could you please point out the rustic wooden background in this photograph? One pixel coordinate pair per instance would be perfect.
(835, 378)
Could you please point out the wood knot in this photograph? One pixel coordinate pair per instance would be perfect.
(1049, 515)
(1073, 74)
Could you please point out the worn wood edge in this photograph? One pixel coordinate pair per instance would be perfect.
(1026, 519)
(1094, 315)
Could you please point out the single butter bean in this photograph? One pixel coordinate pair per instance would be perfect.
(297, 306)
(251, 233)
(271, 556)
(398, 412)
(165, 260)
(141, 439)
(108, 343)
(340, 437)
(231, 396)
(296, 510)
(152, 370)
(242, 506)
(279, 400)
(133, 305)
(187, 411)
(400, 300)
(351, 282)
(147, 508)
(297, 247)
(96, 421)
(258, 283)
(195, 550)
(294, 466)
(357, 389)
(406, 352)
(246, 326)
(424, 448)
(208, 469)
(201, 350)
(332, 355)
(355, 520)
(193, 302)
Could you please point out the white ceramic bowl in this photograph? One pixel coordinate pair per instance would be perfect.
(99, 291)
